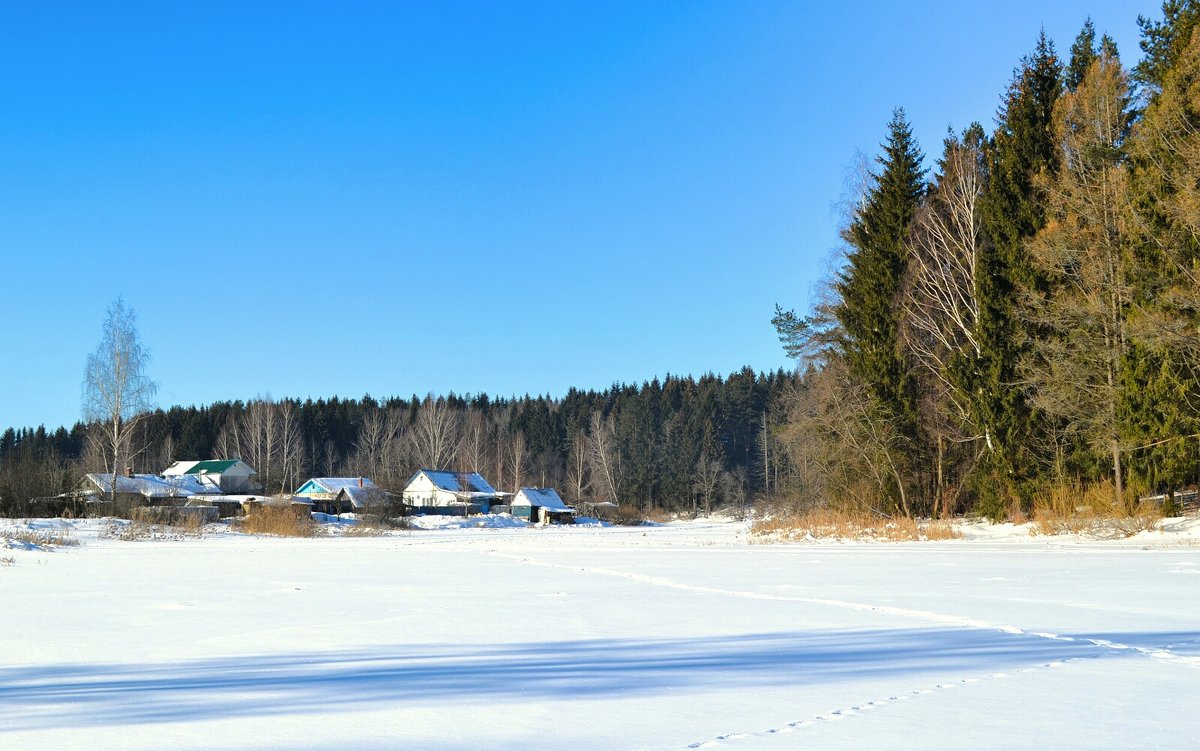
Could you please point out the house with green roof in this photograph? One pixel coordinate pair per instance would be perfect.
(230, 475)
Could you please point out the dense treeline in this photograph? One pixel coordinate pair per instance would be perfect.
(676, 444)
(1026, 316)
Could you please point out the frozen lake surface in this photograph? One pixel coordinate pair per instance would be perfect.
(671, 637)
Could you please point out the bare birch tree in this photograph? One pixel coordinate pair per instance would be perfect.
(435, 434)
(941, 304)
(291, 445)
(577, 467)
(472, 449)
(605, 457)
(117, 392)
(375, 448)
(709, 470)
(517, 457)
(259, 439)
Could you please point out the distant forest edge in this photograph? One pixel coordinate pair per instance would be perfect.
(1019, 330)
(677, 444)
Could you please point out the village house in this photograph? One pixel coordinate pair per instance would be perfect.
(222, 485)
(542, 506)
(230, 475)
(438, 491)
(341, 495)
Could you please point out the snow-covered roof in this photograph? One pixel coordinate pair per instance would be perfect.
(333, 485)
(155, 486)
(179, 468)
(368, 495)
(208, 466)
(457, 482)
(547, 498)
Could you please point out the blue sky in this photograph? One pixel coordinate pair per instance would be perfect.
(309, 199)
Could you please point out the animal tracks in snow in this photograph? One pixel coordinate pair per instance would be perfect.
(855, 710)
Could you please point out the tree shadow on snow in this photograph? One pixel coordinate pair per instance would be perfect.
(219, 688)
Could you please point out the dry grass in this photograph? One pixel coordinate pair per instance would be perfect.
(633, 516)
(282, 521)
(362, 530)
(1092, 511)
(828, 523)
(40, 538)
(7, 560)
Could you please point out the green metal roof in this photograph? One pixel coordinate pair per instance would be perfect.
(212, 466)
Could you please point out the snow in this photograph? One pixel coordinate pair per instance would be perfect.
(156, 486)
(547, 498)
(677, 636)
(455, 482)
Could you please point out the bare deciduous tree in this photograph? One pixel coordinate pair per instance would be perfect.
(577, 467)
(435, 434)
(472, 449)
(516, 458)
(291, 445)
(708, 479)
(117, 392)
(604, 457)
(941, 304)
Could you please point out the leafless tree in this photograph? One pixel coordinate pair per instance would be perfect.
(376, 447)
(259, 435)
(849, 450)
(117, 392)
(577, 467)
(708, 479)
(604, 457)
(291, 445)
(472, 449)
(435, 433)
(517, 458)
(228, 444)
(941, 304)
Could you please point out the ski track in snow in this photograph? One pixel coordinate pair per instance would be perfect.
(946, 619)
(1109, 647)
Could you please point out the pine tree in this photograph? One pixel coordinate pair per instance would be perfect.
(1163, 41)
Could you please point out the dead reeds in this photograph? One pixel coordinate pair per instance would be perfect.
(281, 521)
(827, 523)
(1092, 511)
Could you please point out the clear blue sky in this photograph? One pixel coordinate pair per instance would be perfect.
(309, 199)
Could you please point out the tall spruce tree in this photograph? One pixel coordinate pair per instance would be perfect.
(1013, 210)
(1083, 54)
(870, 284)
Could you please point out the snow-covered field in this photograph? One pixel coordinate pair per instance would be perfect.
(679, 636)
